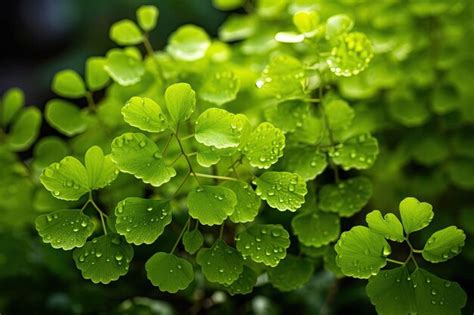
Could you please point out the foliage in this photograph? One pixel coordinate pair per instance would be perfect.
(236, 158)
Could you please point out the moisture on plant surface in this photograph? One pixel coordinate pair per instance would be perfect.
(264, 157)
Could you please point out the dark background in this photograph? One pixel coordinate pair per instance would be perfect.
(41, 37)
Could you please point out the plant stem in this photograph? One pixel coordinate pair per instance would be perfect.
(180, 235)
(215, 176)
(90, 101)
(395, 261)
(151, 53)
(176, 159)
(221, 232)
(185, 155)
(167, 143)
(182, 184)
(101, 213)
(187, 137)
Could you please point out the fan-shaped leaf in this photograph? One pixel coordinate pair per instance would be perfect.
(220, 263)
(211, 205)
(64, 229)
(264, 146)
(140, 220)
(264, 243)
(281, 190)
(104, 259)
(168, 272)
(136, 154)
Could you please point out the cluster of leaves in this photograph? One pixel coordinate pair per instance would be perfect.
(363, 251)
(231, 146)
(173, 133)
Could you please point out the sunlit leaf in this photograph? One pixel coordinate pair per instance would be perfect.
(281, 190)
(136, 154)
(264, 145)
(142, 221)
(68, 83)
(65, 229)
(361, 253)
(125, 32)
(145, 114)
(444, 244)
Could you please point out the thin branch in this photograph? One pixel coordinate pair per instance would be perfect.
(180, 235)
(215, 176)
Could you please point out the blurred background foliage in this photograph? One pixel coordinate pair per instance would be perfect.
(417, 97)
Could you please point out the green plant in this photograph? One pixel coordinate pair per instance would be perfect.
(236, 159)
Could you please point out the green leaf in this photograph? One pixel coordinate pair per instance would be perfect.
(12, 101)
(281, 190)
(444, 244)
(337, 25)
(283, 78)
(147, 16)
(168, 272)
(291, 273)
(25, 129)
(68, 83)
(101, 170)
(140, 220)
(311, 131)
(415, 215)
(220, 263)
(361, 253)
(358, 152)
(207, 156)
(67, 180)
(389, 226)
(264, 145)
(244, 284)
(461, 172)
(211, 205)
(263, 243)
(248, 203)
(406, 109)
(220, 87)
(288, 115)
(192, 241)
(65, 117)
(145, 114)
(238, 27)
(125, 32)
(188, 43)
(306, 22)
(96, 76)
(136, 154)
(314, 228)
(339, 114)
(305, 161)
(330, 263)
(65, 229)
(180, 100)
(104, 259)
(218, 128)
(48, 150)
(396, 292)
(347, 197)
(123, 68)
(351, 55)
(226, 5)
